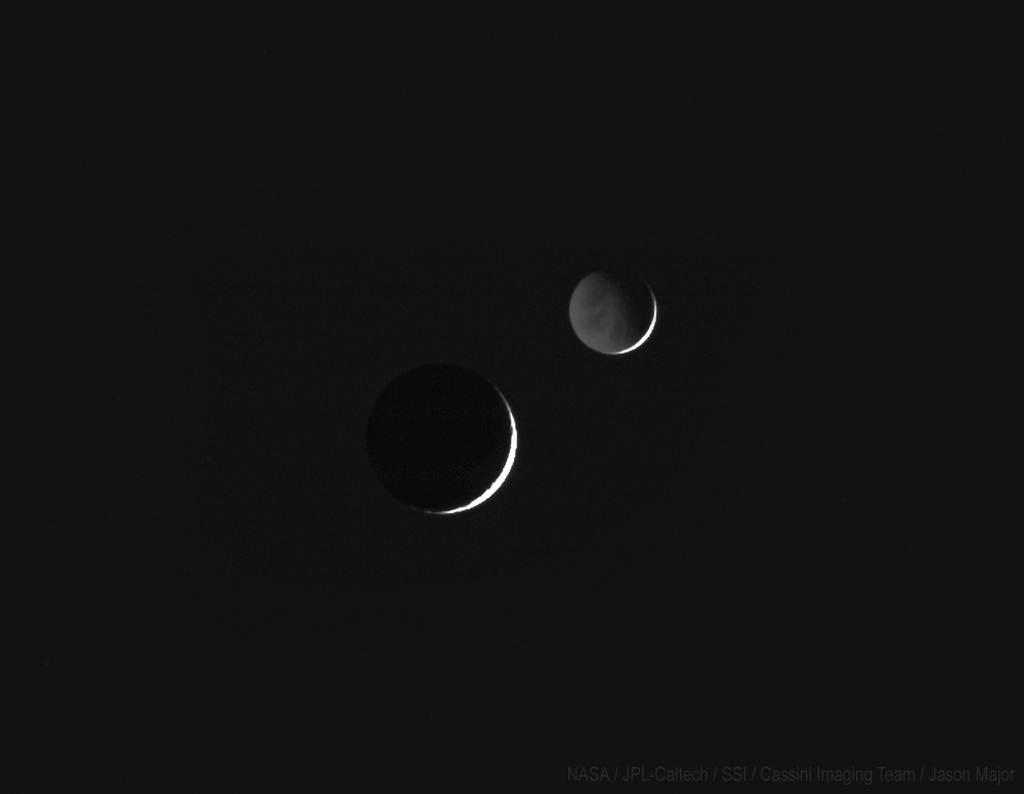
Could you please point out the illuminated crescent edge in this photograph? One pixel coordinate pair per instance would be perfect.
(501, 477)
(643, 338)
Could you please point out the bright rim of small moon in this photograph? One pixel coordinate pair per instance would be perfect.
(654, 319)
(501, 477)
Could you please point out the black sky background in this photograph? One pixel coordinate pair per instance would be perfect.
(778, 533)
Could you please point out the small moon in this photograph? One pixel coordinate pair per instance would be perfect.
(609, 317)
(441, 439)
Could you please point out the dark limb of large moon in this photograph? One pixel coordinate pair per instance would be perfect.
(441, 439)
(610, 317)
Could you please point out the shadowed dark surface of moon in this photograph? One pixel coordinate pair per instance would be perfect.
(438, 437)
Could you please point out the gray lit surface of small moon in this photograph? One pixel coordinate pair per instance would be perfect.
(607, 318)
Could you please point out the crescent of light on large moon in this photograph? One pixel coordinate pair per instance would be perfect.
(501, 477)
(654, 319)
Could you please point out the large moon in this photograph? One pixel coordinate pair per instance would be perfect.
(441, 439)
(610, 315)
